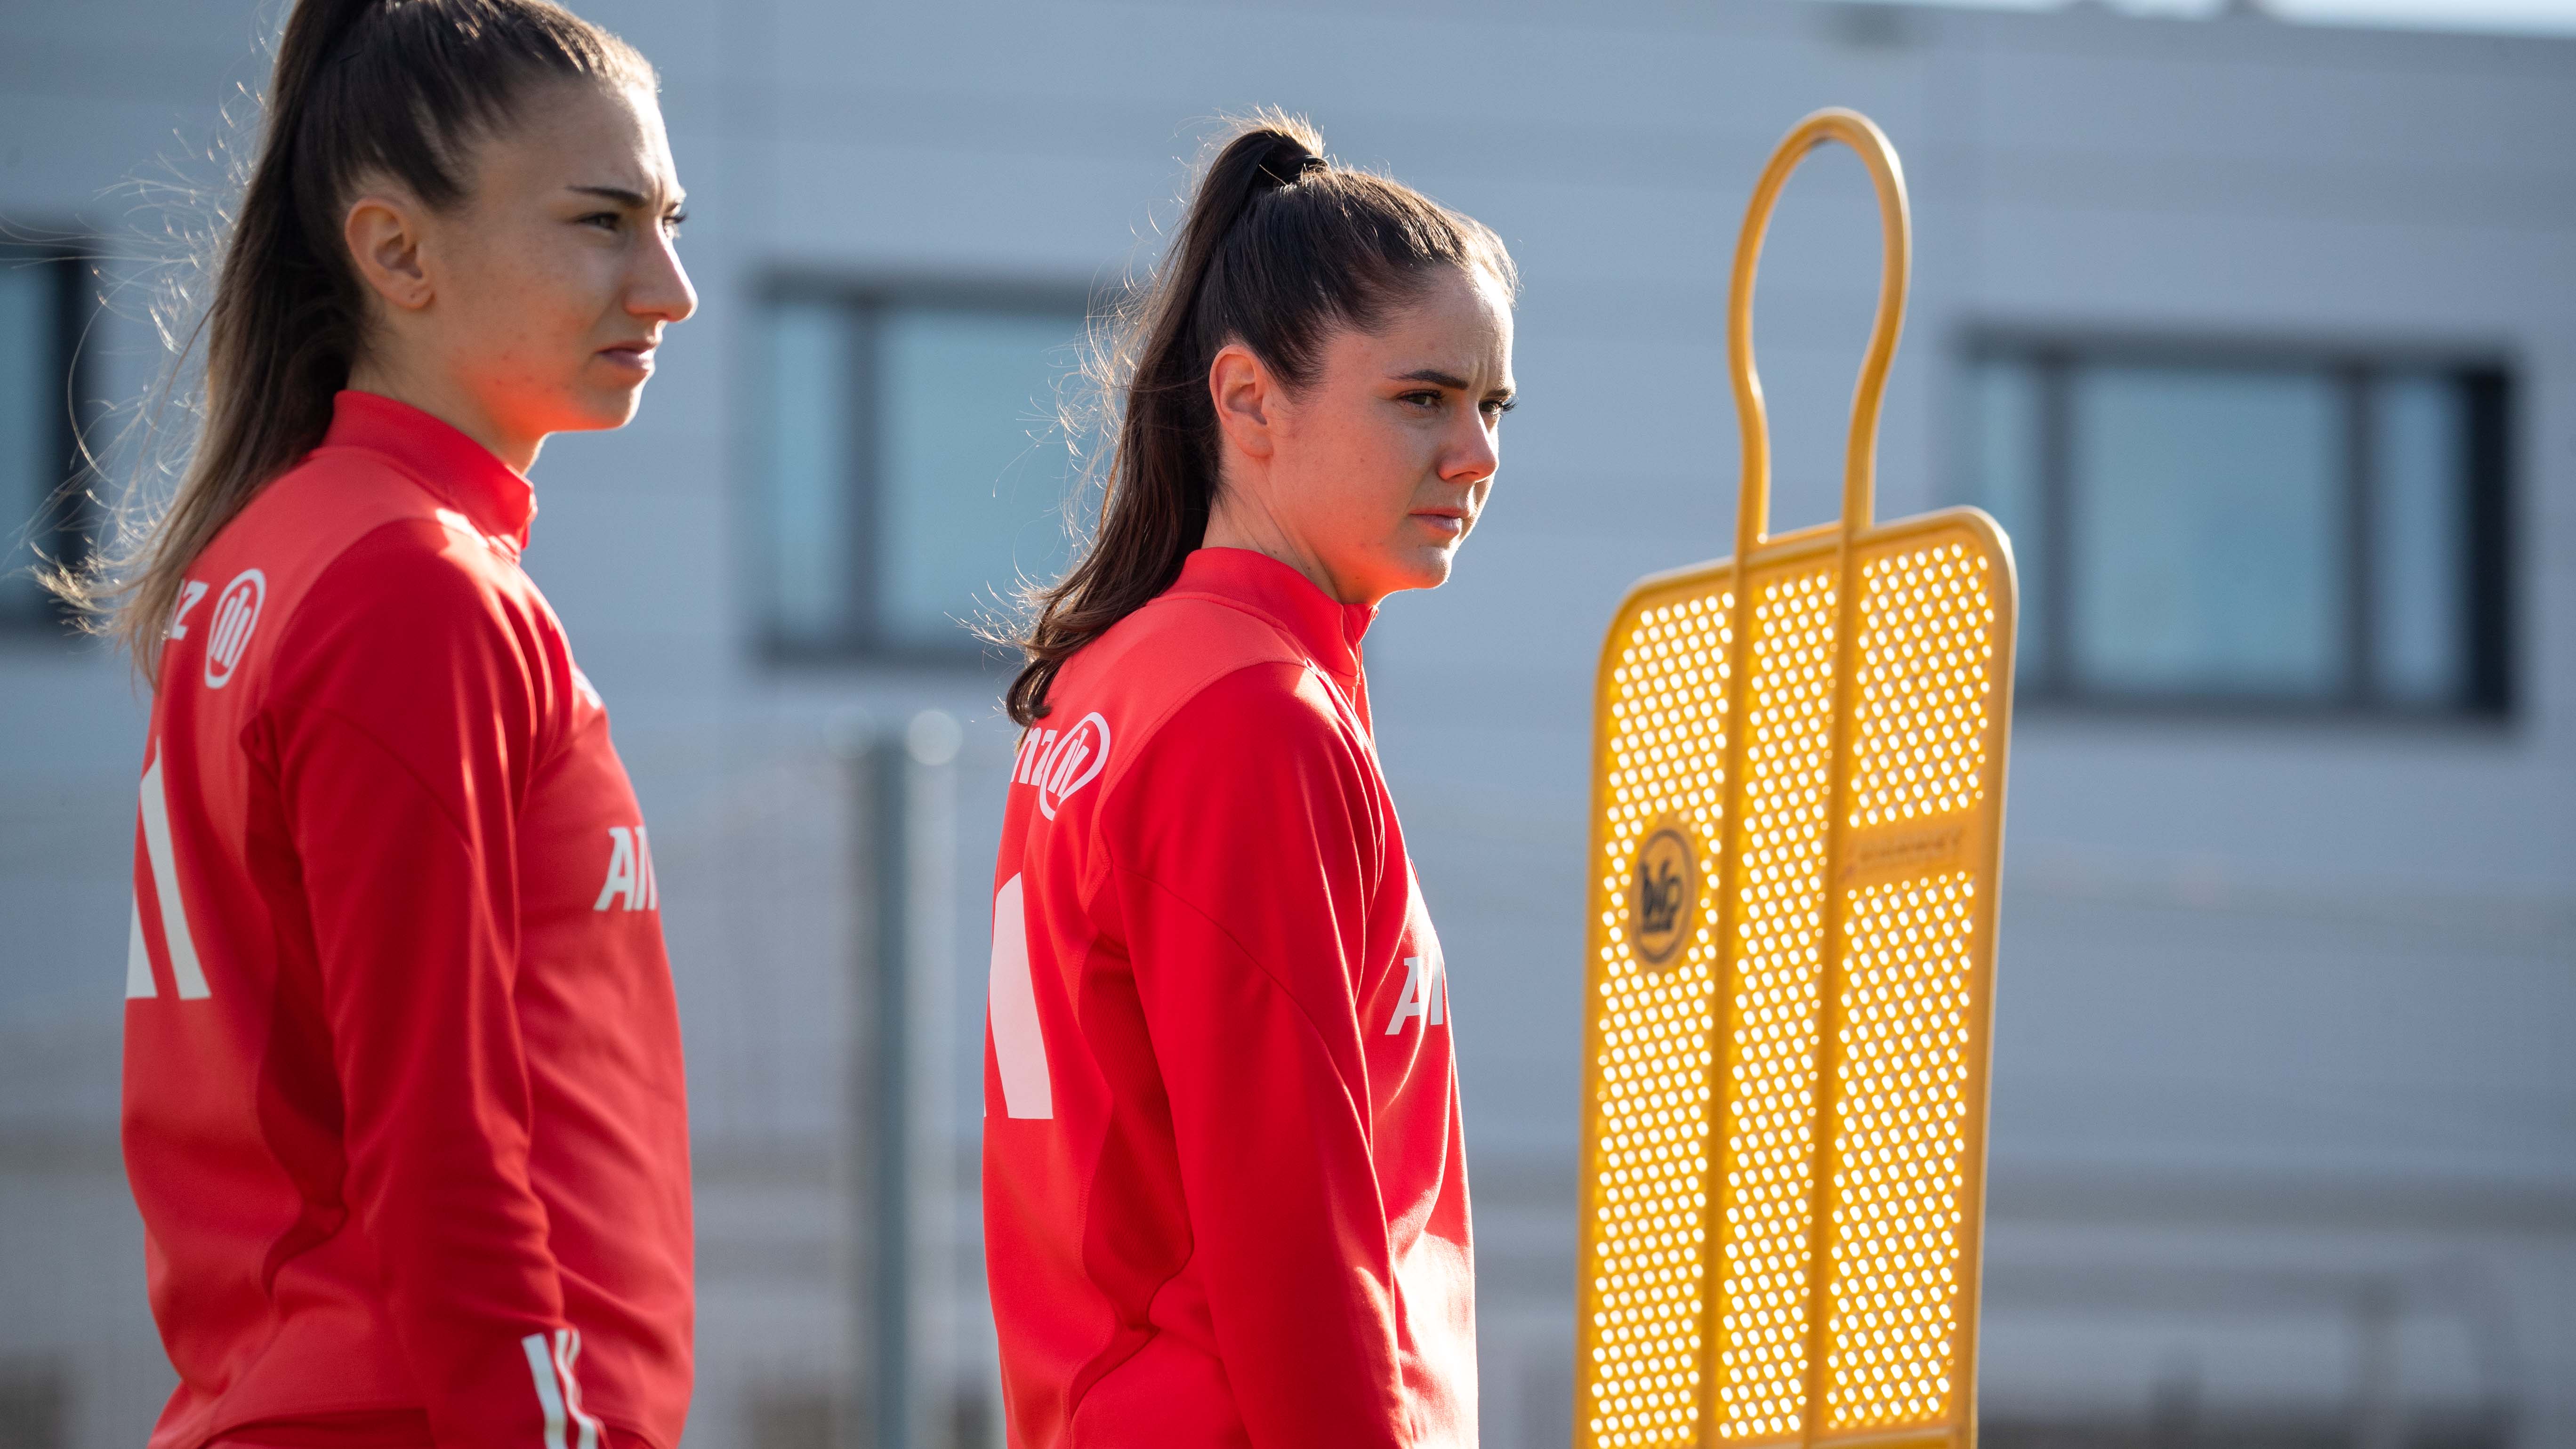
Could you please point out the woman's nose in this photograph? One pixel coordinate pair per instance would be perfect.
(1473, 452)
(663, 290)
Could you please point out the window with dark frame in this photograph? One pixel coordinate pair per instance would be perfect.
(43, 310)
(913, 469)
(2243, 527)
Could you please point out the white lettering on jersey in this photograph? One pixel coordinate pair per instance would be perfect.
(236, 614)
(1426, 992)
(1032, 749)
(621, 869)
(1072, 762)
(190, 591)
(1019, 1043)
(184, 970)
(631, 881)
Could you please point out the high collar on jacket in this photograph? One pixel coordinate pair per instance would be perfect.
(1328, 630)
(462, 472)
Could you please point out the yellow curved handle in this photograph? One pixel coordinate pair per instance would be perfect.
(1860, 456)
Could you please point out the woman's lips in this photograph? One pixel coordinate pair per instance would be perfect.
(634, 357)
(1448, 525)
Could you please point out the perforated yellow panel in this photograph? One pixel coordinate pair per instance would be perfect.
(1654, 1054)
(1796, 830)
(1766, 1195)
(1904, 1038)
(1702, 1325)
(1927, 621)
(1900, 1152)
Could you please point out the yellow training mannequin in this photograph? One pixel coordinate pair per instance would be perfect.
(1792, 924)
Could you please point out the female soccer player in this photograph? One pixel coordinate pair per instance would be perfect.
(1224, 1189)
(403, 1097)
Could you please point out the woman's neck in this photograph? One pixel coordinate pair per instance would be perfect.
(452, 405)
(1235, 523)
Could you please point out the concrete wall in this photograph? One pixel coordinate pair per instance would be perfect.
(2286, 1055)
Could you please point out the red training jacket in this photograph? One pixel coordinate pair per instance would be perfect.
(1225, 1192)
(403, 1101)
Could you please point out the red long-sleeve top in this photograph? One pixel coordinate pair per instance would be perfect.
(1225, 1191)
(403, 1098)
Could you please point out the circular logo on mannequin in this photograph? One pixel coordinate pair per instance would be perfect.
(1663, 895)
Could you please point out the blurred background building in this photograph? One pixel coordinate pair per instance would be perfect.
(2260, 337)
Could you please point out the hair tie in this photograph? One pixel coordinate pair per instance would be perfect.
(1281, 176)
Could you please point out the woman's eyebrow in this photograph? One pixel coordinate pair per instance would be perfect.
(632, 200)
(1434, 376)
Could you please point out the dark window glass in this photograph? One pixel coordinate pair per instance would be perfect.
(40, 296)
(811, 472)
(2419, 447)
(914, 470)
(2004, 476)
(2206, 532)
(2225, 529)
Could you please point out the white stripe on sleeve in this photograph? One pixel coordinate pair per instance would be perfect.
(541, 1366)
(184, 970)
(138, 960)
(1019, 1043)
(568, 1353)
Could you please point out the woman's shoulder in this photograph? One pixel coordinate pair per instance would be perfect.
(356, 557)
(347, 511)
(1277, 704)
(1257, 740)
(1161, 657)
(1194, 678)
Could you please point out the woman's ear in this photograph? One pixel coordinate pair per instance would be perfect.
(1246, 397)
(384, 236)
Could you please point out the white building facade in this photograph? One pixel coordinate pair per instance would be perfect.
(2261, 338)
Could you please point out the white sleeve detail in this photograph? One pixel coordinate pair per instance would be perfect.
(568, 1353)
(1019, 1042)
(138, 960)
(184, 970)
(541, 1367)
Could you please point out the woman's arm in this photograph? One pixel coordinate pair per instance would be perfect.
(1247, 854)
(403, 732)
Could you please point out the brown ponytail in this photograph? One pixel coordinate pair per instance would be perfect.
(363, 89)
(1279, 248)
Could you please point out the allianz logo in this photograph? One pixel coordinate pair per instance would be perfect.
(236, 615)
(1061, 763)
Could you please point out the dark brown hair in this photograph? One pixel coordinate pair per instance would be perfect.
(364, 90)
(1279, 247)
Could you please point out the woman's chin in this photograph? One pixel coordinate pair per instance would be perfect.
(596, 408)
(1426, 567)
